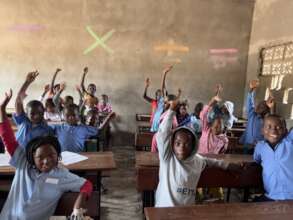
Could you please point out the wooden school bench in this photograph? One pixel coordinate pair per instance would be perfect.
(91, 169)
(147, 175)
(143, 140)
(227, 211)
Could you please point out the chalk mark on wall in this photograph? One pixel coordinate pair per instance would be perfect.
(100, 41)
(221, 57)
(26, 27)
(286, 95)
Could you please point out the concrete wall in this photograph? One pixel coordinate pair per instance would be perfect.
(47, 34)
(272, 25)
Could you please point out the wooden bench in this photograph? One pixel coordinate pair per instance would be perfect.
(147, 175)
(143, 140)
(143, 117)
(228, 211)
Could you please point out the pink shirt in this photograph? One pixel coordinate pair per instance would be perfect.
(208, 142)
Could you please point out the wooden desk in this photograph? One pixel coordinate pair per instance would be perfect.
(235, 132)
(90, 169)
(230, 211)
(143, 140)
(147, 171)
(143, 117)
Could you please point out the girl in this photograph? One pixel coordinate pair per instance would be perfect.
(104, 107)
(51, 114)
(212, 140)
(39, 182)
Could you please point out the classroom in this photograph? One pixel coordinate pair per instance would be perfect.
(135, 109)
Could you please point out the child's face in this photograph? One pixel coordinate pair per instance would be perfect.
(224, 110)
(92, 119)
(158, 94)
(68, 101)
(50, 109)
(273, 130)
(182, 146)
(217, 126)
(71, 116)
(45, 158)
(56, 88)
(183, 110)
(35, 114)
(91, 89)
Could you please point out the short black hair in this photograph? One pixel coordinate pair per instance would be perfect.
(71, 107)
(278, 117)
(37, 142)
(35, 104)
(49, 103)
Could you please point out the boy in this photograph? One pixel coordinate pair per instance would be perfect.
(71, 135)
(180, 166)
(255, 115)
(275, 154)
(32, 124)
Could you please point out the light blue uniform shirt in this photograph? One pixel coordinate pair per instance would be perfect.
(34, 195)
(277, 167)
(157, 115)
(26, 131)
(253, 131)
(72, 138)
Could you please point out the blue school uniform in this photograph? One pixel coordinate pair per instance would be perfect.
(253, 131)
(26, 131)
(34, 195)
(72, 138)
(277, 167)
(157, 115)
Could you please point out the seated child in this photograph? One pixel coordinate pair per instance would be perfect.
(32, 124)
(183, 118)
(255, 116)
(39, 181)
(71, 135)
(180, 165)
(105, 107)
(275, 155)
(195, 122)
(212, 139)
(51, 114)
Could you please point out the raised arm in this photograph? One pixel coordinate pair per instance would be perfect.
(6, 131)
(214, 100)
(107, 120)
(85, 71)
(271, 103)
(56, 97)
(81, 101)
(21, 93)
(145, 96)
(163, 86)
(45, 91)
(53, 81)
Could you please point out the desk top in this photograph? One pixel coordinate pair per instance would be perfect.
(97, 161)
(228, 211)
(149, 159)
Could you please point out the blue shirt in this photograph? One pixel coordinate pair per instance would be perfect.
(253, 131)
(277, 167)
(26, 131)
(72, 138)
(34, 195)
(157, 115)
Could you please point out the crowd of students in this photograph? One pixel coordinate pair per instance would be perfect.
(43, 132)
(53, 124)
(182, 139)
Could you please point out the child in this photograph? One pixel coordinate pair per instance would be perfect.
(195, 122)
(180, 165)
(51, 114)
(160, 103)
(154, 102)
(182, 115)
(275, 154)
(71, 135)
(197, 109)
(89, 98)
(253, 131)
(39, 181)
(105, 107)
(54, 88)
(32, 124)
(212, 139)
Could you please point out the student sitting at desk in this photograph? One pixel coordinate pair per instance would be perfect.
(180, 165)
(39, 182)
(275, 154)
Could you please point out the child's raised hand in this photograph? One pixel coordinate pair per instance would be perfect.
(58, 70)
(147, 82)
(253, 84)
(47, 88)
(270, 102)
(85, 70)
(31, 76)
(219, 89)
(167, 69)
(77, 87)
(62, 86)
(6, 100)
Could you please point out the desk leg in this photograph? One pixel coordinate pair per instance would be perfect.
(246, 194)
(148, 199)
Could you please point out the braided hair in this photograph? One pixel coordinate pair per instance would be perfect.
(37, 142)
